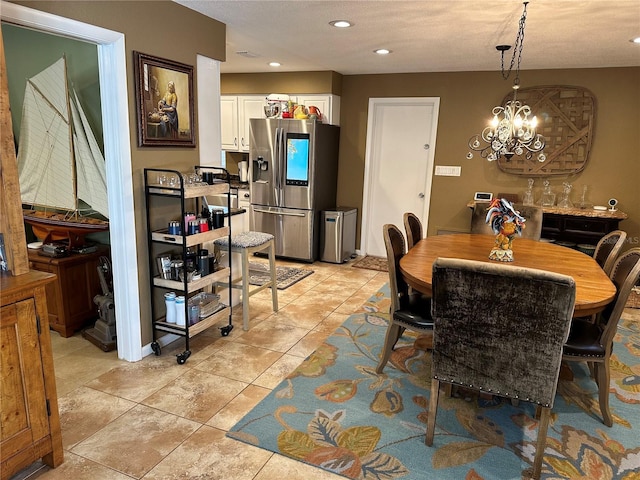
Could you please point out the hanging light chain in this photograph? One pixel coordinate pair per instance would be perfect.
(517, 50)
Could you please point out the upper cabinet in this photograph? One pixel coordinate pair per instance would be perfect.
(237, 110)
(329, 106)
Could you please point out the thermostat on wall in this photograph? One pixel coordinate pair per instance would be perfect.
(483, 197)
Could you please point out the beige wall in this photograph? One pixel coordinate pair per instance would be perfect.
(466, 100)
(283, 82)
(163, 29)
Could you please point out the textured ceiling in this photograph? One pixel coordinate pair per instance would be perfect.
(425, 36)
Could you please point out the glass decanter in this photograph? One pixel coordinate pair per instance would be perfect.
(565, 201)
(548, 197)
(528, 194)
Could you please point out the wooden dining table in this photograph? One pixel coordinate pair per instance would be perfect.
(594, 289)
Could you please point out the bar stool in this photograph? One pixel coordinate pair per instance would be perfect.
(248, 243)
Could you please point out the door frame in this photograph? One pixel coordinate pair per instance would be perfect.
(369, 152)
(117, 152)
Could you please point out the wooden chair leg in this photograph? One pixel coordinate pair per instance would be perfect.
(389, 342)
(604, 377)
(272, 267)
(542, 440)
(433, 408)
(245, 289)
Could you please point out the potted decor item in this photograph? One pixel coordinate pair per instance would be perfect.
(506, 222)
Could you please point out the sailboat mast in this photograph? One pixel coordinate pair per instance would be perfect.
(74, 181)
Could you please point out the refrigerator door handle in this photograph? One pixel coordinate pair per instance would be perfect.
(276, 166)
(281, 166)
(286, 214)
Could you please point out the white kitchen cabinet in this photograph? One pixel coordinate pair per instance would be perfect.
(244, 201)
(235, 113)
(229, 123)
(329, 106)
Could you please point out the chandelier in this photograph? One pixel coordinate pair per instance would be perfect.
(512, 130)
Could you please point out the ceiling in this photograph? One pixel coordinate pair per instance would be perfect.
(424, 36)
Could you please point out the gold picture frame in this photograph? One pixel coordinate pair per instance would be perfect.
(164, 102)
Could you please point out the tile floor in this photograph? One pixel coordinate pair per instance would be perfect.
(155, 419)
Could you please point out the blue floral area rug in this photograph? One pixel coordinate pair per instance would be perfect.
(335, 412)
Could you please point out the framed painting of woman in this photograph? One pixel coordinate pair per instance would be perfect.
(164, 102)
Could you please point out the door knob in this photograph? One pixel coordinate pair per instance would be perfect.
(421, 195)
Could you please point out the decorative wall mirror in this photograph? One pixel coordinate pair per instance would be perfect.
(566, 118)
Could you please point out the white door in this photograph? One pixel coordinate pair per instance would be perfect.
(401, 141)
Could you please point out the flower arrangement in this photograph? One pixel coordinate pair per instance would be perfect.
(506, 222)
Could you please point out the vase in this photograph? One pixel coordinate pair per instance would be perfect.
(501, 250)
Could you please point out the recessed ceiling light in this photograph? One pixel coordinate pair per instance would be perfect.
(382, 51)
(341, 23)
(635, 40)
(274, 64)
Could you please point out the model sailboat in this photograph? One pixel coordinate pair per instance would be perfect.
(60, 165)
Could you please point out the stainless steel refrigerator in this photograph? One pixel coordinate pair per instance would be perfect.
(293, 169)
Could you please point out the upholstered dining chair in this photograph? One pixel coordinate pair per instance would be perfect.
(413, 227)
(478, 219)
(499, 329)
(592, 342)
(532, 215)
(410, 310)
(608, 248)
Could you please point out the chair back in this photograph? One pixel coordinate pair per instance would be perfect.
(624, 275)
(395, 246)
(608, 248)
(479, 219)
(413, 228)
(532, 227)
(500, 328)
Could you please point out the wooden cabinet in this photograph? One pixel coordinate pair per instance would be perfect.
(29, 418)
(70, 297)
(576, 227)
(235, 112)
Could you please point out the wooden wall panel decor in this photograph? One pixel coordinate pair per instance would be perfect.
(11, 222)
(566, 119)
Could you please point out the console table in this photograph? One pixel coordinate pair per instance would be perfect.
(577, 225)
(70, 297)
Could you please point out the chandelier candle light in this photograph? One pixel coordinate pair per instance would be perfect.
(512, 130)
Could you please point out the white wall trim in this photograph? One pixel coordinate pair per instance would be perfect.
(115, 118)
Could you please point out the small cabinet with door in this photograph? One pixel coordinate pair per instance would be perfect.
(30, 422)
(236, 111)
(171, 198)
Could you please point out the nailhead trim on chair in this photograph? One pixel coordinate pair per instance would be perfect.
(504, 394)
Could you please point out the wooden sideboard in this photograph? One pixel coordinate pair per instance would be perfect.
(70, 297)
(28, 400)
(577, 225)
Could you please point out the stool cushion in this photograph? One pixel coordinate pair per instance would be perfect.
(245, 240)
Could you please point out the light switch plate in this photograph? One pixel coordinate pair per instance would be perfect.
(448, 170)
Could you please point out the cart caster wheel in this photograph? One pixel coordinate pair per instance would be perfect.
(224, 331)
(181, 358)
(155, 346)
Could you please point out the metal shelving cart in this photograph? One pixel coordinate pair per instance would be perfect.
(162, 186)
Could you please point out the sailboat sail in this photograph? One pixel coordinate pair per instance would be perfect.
(91, 175)
(53, 137)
